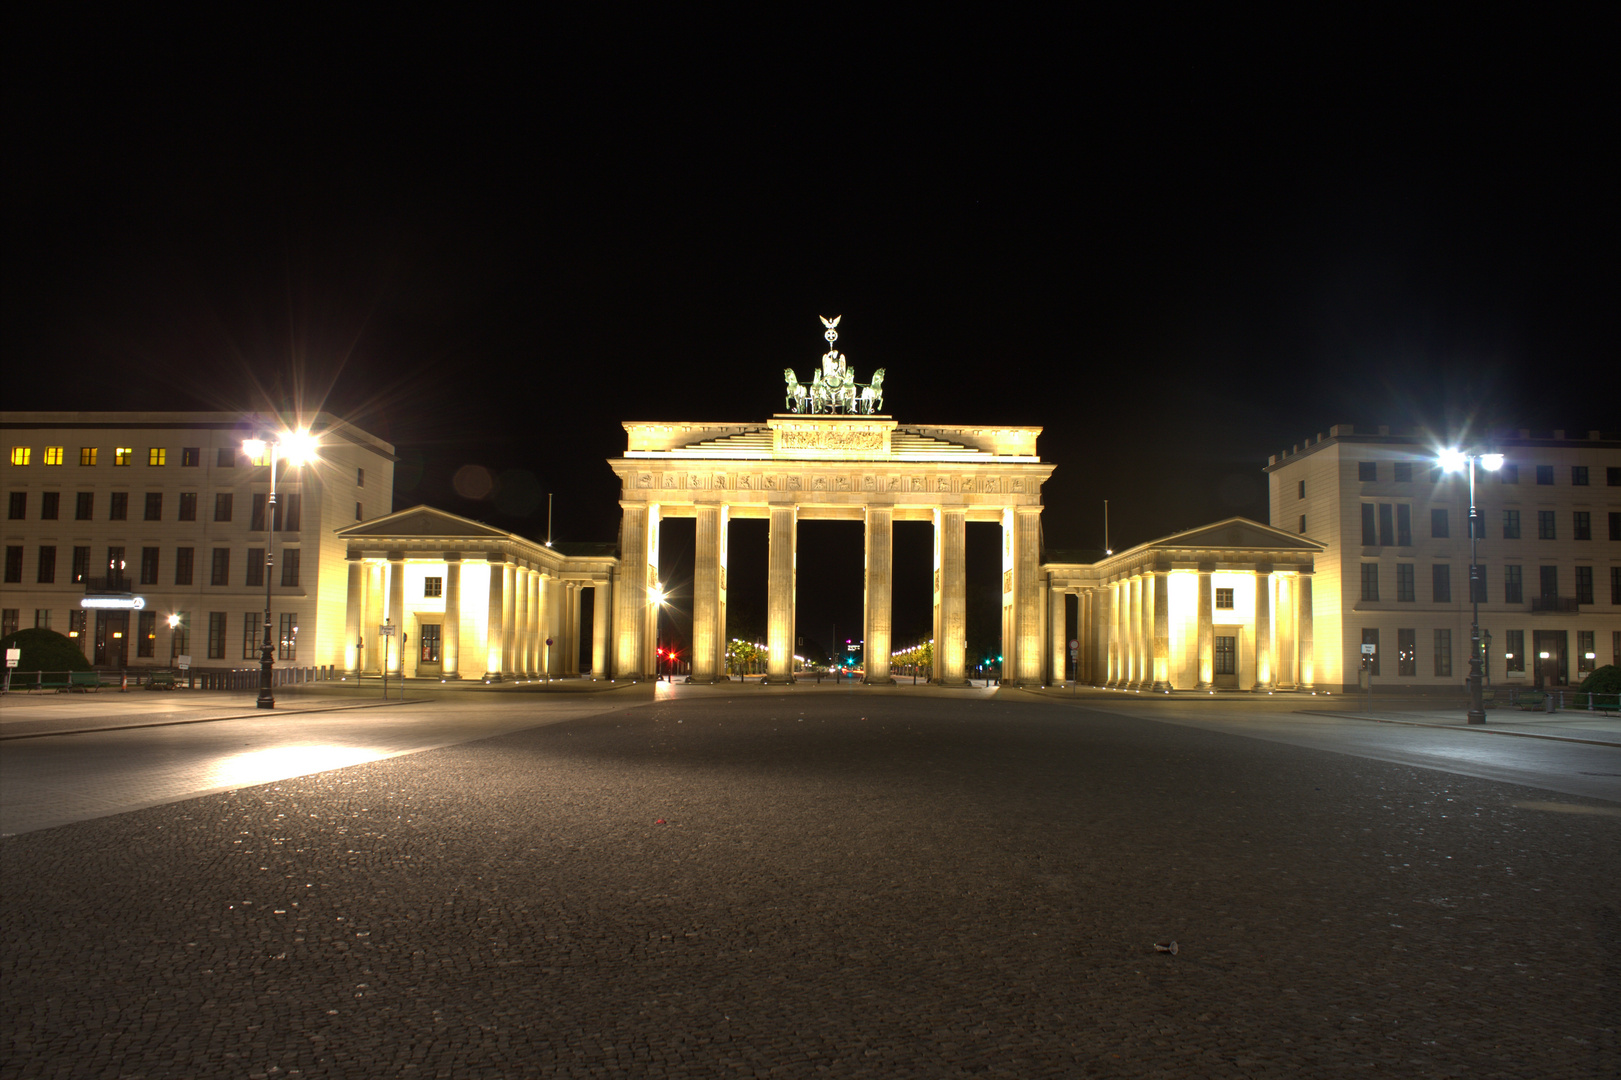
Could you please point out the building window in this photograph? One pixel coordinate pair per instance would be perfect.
(1439, 527)
(1387, 528)
(81, 565)
(1612, 475)
(182, 565)
(157, 455)
(1550, 582)
(1582, 524)
(1578, 475)
(1406, 652)
(1404, 525)
(1508, 474)
(288, 637)
(216, 635)
(1367, 471)
(1511, 524)
(1477, 584)
(256, 567)
(289, 568)
(358, 515)
(429, 638)
(1224, 599)
(149, 566)
(1584, 584)
(1546, 530)
(222, 506)
(146, 634)
(1302, 524)
(433, 586)
(1615, 524)
(53, 455)
(47, 564)
(14, 564)
(88, 455)
(85, 508)
(256, 518)
(9, 618)
(1301, 490)
(1615, 584)
(115, 567)
(18, 508)
(180, 642)
(1443, 653)
(123, 455)
(42, 618)
(154, 506)
(1404, 472)
(1513, 585)
(1586, 650)
(1545, 475)
(225, 457)
(1441, 583)
(360, 479)
(191, 457)
(1404, 582)
(77, 621)
(188, 506)
(50, 504)
(1370, 534)
(253, 624)
(1226, 655)
(1371, 637)
(1370, 581)
(221, 573)
(118, 508)
(289, 515)
(21, 454)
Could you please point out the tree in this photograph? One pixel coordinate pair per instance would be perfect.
(45, 650)
(1606, 680)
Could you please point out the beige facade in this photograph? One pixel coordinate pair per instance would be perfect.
(468, 601)
(1395, 565)
(170, 508)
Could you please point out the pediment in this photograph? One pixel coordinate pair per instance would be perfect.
(1238, 533)
(423, 521)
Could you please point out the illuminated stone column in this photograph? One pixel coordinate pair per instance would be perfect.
(1263, 628)
(571, 630)
(879, 591)
(708, 614)
(951, 643)
(1131, 643)
(1162, 630)
(536, 654)
(522, 638)
(1028, 604)
(1086, 667)
(494, 631)
(631, 599)
(354, 611)
(1111, 634)
(450, 646)
(601, 593)
(1057, 633)
(509, 618)
(1207, 633)
(1283, 653)
(1145, 633)
(1305, 644)
(554, 614)
(373, 618)
(396, 611)
(782, 570)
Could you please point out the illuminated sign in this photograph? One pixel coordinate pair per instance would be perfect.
(125, 603)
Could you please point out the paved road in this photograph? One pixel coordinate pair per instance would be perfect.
(826, 884)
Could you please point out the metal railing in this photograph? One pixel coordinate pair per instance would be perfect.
(1560, 698)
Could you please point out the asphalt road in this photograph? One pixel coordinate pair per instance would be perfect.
(816, 884)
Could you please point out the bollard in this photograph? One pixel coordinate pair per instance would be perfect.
(123, 683)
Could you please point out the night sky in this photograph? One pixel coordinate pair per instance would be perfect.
(1176, 247)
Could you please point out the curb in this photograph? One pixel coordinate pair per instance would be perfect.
(213, 719)
(1482, 728)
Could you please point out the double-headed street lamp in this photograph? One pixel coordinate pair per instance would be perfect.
(295, 447)
(1453, 460)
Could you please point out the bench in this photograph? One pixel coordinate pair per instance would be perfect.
(1531, 699)
(161, 680)
(84, 680)
(42, 683)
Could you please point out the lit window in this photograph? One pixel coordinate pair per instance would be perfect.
(191, 456)
(433, 586)
(1224, 598)
(87, 455)
(53, 455)
(123, 454)
(20, 454)
(157, 455)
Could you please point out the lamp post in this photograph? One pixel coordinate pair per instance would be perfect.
(295, 447)
(1454, 460)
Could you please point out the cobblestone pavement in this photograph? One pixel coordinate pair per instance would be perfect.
(827, 885)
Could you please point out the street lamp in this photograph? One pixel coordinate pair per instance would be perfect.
(1453, 460)
(296, 447)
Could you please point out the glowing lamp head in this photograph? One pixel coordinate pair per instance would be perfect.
(658, 594)
(298, 447)
(1491, 462)
(174, 621)
(254, 448)
(1452, 460)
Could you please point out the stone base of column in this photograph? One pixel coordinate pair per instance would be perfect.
(1262, 688)
(1161, 687)
(492, 676)
(1204, 686)
(709, 682)
(454, 676)
(887, 680)
(777, 680)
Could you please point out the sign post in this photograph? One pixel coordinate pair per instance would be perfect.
(13, 658)
(183, 662)
(1368, 651)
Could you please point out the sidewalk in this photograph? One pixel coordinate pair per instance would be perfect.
(1567, 725)
(24, 716)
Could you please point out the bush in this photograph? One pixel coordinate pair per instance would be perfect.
(46, 650)
(1606, 680)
